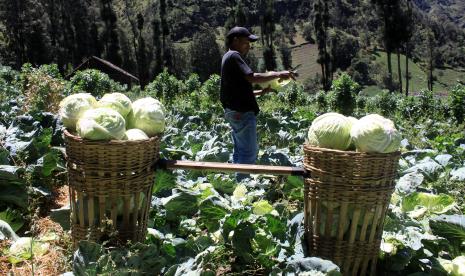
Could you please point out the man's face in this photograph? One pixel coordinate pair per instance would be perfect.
(242, 45)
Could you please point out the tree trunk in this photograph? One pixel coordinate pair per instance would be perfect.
(430, 74)
(407, 77)
(399, 72)
(323, 76)
(389, 64)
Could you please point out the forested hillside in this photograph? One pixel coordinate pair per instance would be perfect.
(445, 10)
(143, 37)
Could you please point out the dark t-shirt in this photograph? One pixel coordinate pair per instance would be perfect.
(236, 91)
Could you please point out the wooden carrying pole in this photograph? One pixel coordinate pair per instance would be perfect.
(229, 167)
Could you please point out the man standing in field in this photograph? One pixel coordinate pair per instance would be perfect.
(238, 97)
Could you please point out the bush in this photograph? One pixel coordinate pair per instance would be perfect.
(210, 92)
(342, 96)
(321, 101)
(313, 84)
(360, 71)
(457, 102)
(164, 87)
(9, 84)
(423, 105)
(94, 82)
(43, 88)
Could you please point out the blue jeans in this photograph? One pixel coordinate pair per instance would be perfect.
(244, 134)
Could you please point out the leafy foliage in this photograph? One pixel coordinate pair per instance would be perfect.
(343, 94)
(457, 100)
(94, 82)
(202, 222)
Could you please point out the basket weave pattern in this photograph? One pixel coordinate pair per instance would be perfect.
(110, 185)
(346, 199)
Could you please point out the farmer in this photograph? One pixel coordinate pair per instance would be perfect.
(238, 97)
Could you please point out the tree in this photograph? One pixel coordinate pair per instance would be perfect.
(321, 24)
(205, 54)
(156, 40)
(165, 39)
(343, 47)
(387, 11)
(25, 24)
(408, 37)
(288, 27)
(267, 29)
(142, 64)
(240, 15)
(110, 35)
(286, 54)
(430, 57)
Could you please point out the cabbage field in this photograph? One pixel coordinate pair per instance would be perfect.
(204, 223)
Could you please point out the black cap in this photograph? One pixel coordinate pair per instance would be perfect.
(241, 32)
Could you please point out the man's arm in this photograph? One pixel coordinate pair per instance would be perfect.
(264, 77)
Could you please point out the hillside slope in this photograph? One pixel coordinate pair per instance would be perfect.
(446, 78)
(445, 10)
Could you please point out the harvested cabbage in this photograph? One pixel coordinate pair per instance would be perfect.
(277, 84)
(73, 106)
(135, 134)
(101, 124)
(148, 115)
(24, 248)
(374, 133)
(330, 130)
(458, 266)
(116, 101)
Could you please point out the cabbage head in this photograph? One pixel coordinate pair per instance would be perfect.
(374, 133)
(330, 130)
(116, 101)
(148, 115)
(73, 106)
(276, 84)
(101, 124)
(135, 134)
(458, 266)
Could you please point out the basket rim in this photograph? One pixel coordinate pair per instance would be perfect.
(308, 147)
(75, 138)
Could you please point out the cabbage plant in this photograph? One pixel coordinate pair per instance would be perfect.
(116, 101)
(330, 130)
(73, 106)
(101, 124)
(148, 114)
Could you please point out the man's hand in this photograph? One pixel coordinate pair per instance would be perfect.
(268, 89)
(285, 75)
(263, 91)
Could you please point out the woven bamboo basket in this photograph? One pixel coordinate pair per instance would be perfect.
(110, 187)
(346, 200)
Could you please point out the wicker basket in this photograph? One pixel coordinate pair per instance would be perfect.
(110, 187)
(346, 200)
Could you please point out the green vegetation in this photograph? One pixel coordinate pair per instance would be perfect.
(207, 222)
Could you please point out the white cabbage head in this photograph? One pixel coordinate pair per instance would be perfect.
(73, 106)
(330, 130)
(374, 133)
(148, 114)
(275, 84)
(116, 101)
(135, 134)
(101, 124)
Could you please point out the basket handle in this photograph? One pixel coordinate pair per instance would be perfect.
(229, 167)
